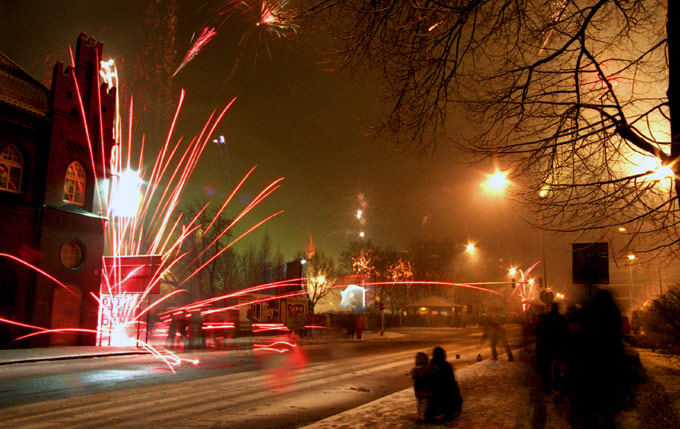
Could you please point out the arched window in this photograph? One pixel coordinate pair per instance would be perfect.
(74, 185)
(11, 167)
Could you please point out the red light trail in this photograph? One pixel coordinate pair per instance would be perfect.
(153, 230)
(203, 39)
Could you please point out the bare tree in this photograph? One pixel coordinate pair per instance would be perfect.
(400, 270)
(250, 263)
(211, 268)
(321, 274)
(355, 254)
(576, 99)
(258, 264)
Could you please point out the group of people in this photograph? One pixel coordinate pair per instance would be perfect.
(190, 329)
(436, 389)
(582, 355)
(353, 325)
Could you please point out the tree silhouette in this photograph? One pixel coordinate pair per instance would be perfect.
(577, 99)
(321, 273)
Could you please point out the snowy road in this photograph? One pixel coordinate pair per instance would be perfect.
(276, 390)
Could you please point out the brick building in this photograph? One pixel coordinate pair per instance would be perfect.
(50, 214)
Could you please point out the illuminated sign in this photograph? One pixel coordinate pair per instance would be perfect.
(116, 314)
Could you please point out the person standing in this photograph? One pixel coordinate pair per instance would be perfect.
(597, 370)
(495, 333)
(446, 400)
(551, 337)
(172, 331)
(359, 326)
(196, 338)
(421, 375)
(183, 329)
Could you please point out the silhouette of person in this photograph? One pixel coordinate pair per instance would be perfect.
(421, 375)
(495, 333)
(551, 336)
(183, 329)
(446, 400)
(359, 325)
(596, 368)
(172, 331)
(196, 338)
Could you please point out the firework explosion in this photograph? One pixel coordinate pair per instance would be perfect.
(144, 235)
(526, 286)
(157, 228)
(271, 16)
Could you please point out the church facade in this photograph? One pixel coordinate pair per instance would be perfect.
(52, 193)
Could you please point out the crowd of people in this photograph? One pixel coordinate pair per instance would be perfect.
(582, 355)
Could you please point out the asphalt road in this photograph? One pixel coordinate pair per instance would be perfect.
(227, 389)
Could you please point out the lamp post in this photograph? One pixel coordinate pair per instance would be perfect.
(496, 184)
(631, 258)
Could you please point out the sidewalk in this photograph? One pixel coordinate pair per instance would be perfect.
(502, 394)
(14, 356)
(496, 394)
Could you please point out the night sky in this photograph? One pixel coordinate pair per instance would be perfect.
(292, 119)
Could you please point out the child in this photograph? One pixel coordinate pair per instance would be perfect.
(422, 384)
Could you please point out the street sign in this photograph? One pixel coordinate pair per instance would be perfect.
(131, 274)
(590, 263)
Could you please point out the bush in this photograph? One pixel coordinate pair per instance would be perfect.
(660, 322)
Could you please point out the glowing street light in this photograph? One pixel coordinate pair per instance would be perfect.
(361, 234)
(470, 248)
(512, 271)
(359, 213)
(496, 182)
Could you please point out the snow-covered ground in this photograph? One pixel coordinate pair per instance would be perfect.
(502, 394)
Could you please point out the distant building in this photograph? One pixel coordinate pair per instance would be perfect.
(49, 212)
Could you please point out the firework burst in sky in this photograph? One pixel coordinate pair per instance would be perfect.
(270, 15)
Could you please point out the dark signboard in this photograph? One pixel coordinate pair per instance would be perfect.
(131, 274)
(590, 263)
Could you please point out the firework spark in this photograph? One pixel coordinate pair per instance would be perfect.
(526, 287)
(145, 243)
(271, 15)
(201, 41)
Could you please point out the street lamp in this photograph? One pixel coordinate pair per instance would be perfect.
(470, 248)
(496, 182)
